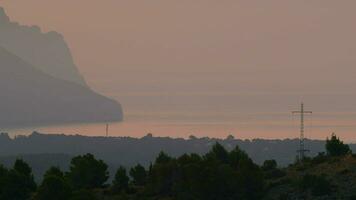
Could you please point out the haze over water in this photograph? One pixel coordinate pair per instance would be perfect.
(212, 116)
(210, 68)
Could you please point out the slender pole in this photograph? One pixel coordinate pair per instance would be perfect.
(107, 130)
(302, 150)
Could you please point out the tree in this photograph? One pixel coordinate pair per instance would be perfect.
(3, 174)
(237, 157)
(54, 171)
(269, 165)
(162, 177)
(23, 168)
(335, 147)
(163, 158)
(249, 175)
(219, 153)
(54, 188)
(87, 173)
(139, 175)
(25, 172)
(121, 180)
(186, 159)
(19, 183)
(270, 170)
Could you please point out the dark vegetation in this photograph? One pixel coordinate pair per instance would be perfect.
(218, 174)
(330, 175)
(42, 151)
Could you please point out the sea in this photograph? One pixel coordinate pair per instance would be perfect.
(216, 116)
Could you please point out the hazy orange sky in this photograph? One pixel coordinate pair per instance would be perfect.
(128, 48)
(230, 46)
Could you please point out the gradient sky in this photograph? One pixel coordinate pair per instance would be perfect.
(206, 47)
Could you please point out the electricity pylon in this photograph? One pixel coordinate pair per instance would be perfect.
(301, 151)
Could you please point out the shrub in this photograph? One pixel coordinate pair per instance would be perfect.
(318, 185)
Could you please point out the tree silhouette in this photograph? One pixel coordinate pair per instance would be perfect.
(162, 175)
(19, 182)
(335, 147)
(121, 180)
(139, 175)
(54, 188)
(269, 165)
(3, 174)
(219, 153)
(238, 157)
(54, 171)
(163, 158)
(23, 168)
(86, 172)
(219, 174)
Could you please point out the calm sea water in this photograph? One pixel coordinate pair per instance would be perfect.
(215, 116)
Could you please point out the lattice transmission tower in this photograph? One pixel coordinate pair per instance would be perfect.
(302, 150)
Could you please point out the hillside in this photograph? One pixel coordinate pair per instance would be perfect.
(318, 178)
(31, 97)
(47, 52)
(144, 150)
(129, 151)
(214, 175)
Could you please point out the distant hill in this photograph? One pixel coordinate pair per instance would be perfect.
(218, 173)
(32, 97)
(45, 51)
(129, 151)
(318, 177)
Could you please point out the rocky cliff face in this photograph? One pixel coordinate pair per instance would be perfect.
(40, 84)
(45, 51)
(30, 97)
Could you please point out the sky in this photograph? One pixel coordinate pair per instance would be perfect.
(203, 45)
(159, 53)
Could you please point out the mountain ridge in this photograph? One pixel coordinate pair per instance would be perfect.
(45, 51)
(31, 97)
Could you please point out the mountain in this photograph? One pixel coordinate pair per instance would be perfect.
(128, 151)
(45, 51)
(32, 97)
